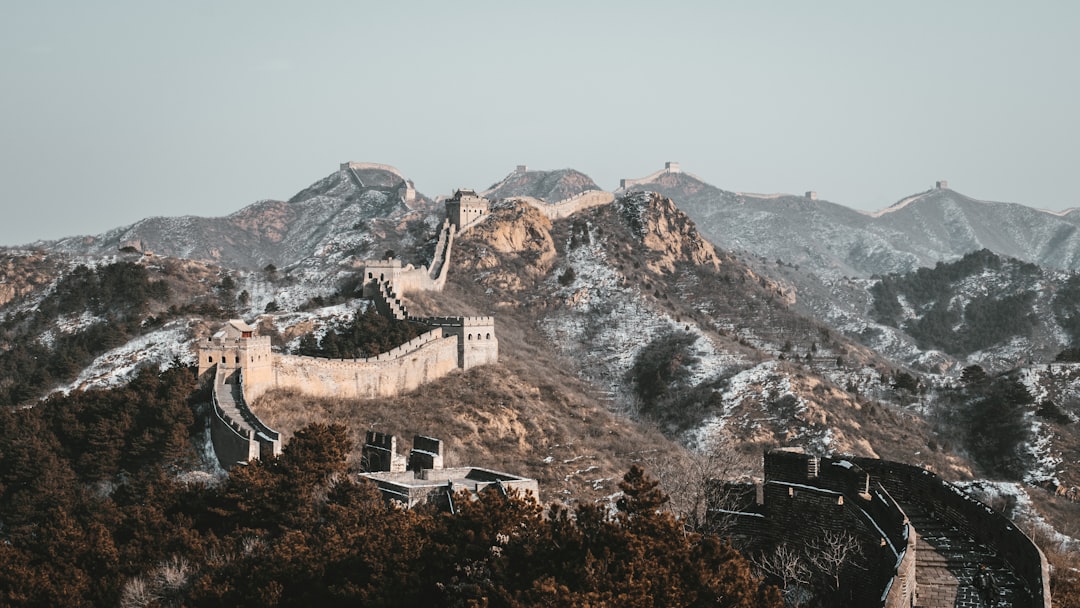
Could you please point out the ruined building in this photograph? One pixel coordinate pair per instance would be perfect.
(422, 479)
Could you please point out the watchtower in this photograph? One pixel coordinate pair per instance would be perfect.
(465, 207)
(236, 348)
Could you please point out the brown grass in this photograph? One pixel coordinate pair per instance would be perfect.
(493, 417)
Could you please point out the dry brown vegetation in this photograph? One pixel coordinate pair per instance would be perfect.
(493, 417)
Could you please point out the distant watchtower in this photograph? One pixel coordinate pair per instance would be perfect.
(672, 167)
(941, 185)
(465, 207)
(811, 195)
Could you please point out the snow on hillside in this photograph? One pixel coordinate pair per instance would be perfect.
(164, 346)
(763, 381)
(319, 319)
(68, 324)
(1021, 509)
(605, 323)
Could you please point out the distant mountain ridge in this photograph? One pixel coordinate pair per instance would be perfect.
(550, 186)
(832, 240)
(328, 217)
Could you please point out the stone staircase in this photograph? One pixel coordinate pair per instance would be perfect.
(947, 561)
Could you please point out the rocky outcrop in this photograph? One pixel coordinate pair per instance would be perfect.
(513, 248)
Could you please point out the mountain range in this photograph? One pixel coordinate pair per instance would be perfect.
(698, 317)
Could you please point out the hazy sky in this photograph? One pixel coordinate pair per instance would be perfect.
(114, 111)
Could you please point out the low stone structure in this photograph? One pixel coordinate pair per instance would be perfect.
(941, 184)
(421, 479)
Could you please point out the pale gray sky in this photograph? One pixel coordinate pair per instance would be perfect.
(114, 111)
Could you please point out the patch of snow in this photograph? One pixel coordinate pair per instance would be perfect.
(118, 366)
(1023, 511)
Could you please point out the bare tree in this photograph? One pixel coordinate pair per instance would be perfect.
(832, 553)
(694, 481)
(789, 569)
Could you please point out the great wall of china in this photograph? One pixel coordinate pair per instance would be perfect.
(244, 367)
(923, 537)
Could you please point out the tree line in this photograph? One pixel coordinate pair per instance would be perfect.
(98, 507)
(366, 334)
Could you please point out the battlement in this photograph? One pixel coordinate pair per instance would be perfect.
(384, 263)
(355, 166)
(380, 453)
(456, 321)
(568, 206)
(669, 167)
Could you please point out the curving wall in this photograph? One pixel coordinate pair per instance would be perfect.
(916, 485)
(568, 206)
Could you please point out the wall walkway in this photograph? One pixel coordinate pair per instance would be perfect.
(236, 432)
(955, 534)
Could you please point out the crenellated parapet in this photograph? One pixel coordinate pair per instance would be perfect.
(883, 508)
(237, 434)
(568, 206)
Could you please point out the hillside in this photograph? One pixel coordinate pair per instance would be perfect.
(328, 221)
(611, 286)
(628, 332)
(831, 240)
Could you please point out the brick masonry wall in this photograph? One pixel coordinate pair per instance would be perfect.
(389, 374)
(949, 503)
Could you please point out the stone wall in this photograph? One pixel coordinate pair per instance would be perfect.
(373, 166)
(949, 503)
(408, 278)
(805, 497)
(235, 431)
(569, 206)
(421, 360)
(232, 443)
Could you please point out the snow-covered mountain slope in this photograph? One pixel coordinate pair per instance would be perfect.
(329, 217)
(832, 240)
(610, 287)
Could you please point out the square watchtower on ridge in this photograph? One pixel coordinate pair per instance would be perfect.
(465, 207)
